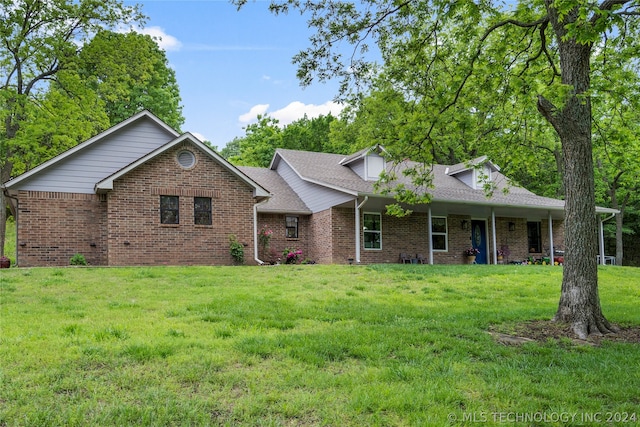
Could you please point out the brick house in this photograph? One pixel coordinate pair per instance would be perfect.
(141, 194)
(137, 194)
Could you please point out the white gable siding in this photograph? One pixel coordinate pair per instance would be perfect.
(358, 168)
(368, 167)
(375, 166)
(467, 177)
(81, 171)
(316, 197)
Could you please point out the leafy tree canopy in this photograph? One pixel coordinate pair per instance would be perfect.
(130, 72)
(486, 68)
(262, 139)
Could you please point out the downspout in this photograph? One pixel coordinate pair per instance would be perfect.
(358, 207)
(255, 232)
(551, 248)
(602, 221)
(493, 236)
(430, 235)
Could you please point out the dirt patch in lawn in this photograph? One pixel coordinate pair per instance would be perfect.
(544, 330)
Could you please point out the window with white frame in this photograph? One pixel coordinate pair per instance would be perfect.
(439, 234)
(372, 231)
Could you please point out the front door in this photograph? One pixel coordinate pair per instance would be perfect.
(479, 240)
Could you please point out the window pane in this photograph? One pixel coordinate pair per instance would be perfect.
(439, 225)
(169, 210)
(202, 210)
(291, 231)
(202, 218)
(169, 202)
(372, 240)
(439, 242)
(372, 222)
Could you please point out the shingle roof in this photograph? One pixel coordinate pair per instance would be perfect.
(331, 170)
(325, 169)
(283, 198)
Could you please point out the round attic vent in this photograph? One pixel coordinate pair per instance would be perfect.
(186, 159)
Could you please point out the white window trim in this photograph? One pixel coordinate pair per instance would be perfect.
(445, 234)
(375, 231)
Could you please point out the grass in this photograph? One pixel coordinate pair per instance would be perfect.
(303, 345)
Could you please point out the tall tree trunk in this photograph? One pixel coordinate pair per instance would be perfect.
(579, 300)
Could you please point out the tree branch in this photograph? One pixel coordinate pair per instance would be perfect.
(548, 110)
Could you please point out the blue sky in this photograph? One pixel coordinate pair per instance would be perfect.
(232, 65)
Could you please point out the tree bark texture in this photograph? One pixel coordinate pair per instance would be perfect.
(579, 300)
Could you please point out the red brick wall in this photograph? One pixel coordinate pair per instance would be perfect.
(343, 226)
(52, 227)
(279, 241)
(410, 235)
(135, 234)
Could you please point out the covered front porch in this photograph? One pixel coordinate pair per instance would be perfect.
(441, 232)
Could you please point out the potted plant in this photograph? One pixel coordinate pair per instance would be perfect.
(500, 255)
(5, 262)
(471, 254)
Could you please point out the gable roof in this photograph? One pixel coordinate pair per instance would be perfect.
(332, 171)
(283, 198)
(379, 149)
(471, 164)
(107, 183)
(86, 145)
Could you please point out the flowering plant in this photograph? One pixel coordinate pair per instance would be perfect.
(500, 252)
(471, 252)
(264, 236)
(291, 256)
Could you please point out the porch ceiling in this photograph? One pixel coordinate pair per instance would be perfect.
(378, 204)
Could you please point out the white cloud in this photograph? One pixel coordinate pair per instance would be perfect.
(292, 112)
(164, 40)
(200, 136)
(253, 113)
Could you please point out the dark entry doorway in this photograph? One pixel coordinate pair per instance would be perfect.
(479, 240)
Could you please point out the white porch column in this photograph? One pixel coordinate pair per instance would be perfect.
(551, 248)
(601, 238)
(493, 236)
(357, 239)
(429, 236)
(601, 222)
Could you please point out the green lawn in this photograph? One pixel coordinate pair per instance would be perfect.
(305, 345)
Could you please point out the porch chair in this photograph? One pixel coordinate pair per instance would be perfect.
(421, 259)
(405, 258)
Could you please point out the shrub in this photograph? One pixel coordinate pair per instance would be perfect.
(236, 249)
(291, 256)
(78, 259)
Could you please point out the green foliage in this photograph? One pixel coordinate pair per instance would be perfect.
(332, 345)
(129, 72)
(291, 255)
(262, 139)
(39, 43)
(236, 249)
(78, 259)
(259, 144)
